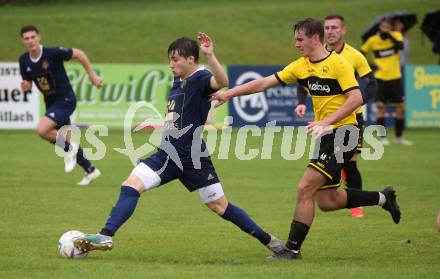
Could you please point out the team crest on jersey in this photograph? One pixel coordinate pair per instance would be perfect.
(325, 70)
(28, 69)
(45, 65)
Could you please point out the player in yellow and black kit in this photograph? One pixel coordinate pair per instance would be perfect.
(386, 45)
(334, 31)
(335, 94)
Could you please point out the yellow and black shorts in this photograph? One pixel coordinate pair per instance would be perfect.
(326, 158)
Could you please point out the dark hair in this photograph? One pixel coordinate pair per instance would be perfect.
(185, 47)
(311, 27)
(28, 28)
(335, 16)
(386, 19)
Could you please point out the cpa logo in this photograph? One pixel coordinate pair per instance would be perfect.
(251, 108)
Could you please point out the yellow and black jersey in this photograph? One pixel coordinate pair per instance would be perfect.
(327, 80)
(358, 61)
(386, 55)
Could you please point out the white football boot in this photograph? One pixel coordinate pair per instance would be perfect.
(275, 245)
(94, 242)
(70, 158)
(88, 177)
(400, 140)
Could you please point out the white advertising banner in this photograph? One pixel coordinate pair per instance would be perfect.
(18, 110)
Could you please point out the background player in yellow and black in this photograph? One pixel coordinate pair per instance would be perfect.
(334, 31)
(386, 45)
(335, 94)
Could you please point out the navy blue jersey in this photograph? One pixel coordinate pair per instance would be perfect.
(48, 73)
(188, 109)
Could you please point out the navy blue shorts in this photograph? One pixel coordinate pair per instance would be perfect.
(192, 178)
(60, 111)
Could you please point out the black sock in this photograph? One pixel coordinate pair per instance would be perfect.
(298, 232)
(106, 232)
(400, 125)
(381, 121)
(357, 198)
(353, 176)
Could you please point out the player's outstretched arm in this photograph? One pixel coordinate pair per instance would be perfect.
(248, 88)
(85, 62)
(219, 77)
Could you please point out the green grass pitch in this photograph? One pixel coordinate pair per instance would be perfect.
(172, 234)
(244, 31)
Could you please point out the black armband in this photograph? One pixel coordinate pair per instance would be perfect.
(373, 66)
(397, 44)
(370, 87)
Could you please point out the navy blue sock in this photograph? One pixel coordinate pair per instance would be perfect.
(83, 162)
(62, 143)
(66, 146)
(123, 209)
(240, 218)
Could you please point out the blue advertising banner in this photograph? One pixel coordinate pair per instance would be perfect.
(422, 96)
(275, 104)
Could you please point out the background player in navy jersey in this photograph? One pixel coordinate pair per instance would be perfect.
(45, 67)
(180, 154)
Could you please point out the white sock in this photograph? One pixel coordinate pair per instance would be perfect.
(382, 199)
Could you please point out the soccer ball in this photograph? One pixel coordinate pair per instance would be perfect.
(66, 249)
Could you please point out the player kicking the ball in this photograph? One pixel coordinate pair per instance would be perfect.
(188, 108)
